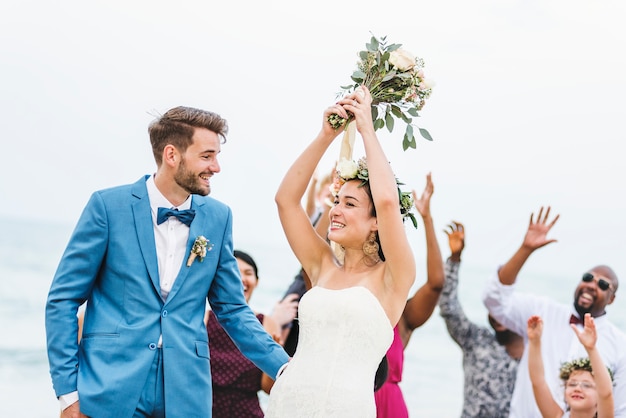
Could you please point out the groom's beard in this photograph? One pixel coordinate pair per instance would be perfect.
(189, 181)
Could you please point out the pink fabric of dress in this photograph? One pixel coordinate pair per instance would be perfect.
(389, 400)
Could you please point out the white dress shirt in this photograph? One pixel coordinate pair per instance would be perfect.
(559, 344)
(170, 238)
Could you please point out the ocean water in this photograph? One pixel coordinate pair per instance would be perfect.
(30, 251)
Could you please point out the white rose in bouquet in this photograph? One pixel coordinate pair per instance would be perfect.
(402, 59)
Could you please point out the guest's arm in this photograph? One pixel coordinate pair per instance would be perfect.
(422, 304)
(460, 328)
(536, 237)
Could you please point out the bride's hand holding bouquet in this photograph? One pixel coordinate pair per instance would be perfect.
(359, 105)
(396, 81)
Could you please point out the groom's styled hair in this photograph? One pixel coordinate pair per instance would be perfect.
(177, 125)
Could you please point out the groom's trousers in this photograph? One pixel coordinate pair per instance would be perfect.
(152, 401)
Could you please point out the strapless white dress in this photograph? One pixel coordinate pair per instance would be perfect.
(344, 334)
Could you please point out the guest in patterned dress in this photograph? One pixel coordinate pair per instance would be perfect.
(490, 360)
(236, 380)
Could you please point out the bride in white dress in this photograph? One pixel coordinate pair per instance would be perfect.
(347, 318)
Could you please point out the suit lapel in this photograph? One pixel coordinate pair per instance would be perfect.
(145, 231)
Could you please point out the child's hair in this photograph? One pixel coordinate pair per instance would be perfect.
(583, 364)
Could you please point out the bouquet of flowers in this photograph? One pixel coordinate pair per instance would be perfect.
(396, 81)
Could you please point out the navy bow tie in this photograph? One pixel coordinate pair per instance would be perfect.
(185, 216)
(576, 320)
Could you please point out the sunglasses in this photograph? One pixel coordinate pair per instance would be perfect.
(602, 284)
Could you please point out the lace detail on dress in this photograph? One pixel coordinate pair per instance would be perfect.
(343, 336)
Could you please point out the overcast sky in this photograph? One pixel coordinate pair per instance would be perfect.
(528, 110)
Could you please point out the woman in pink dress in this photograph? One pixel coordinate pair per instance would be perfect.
(390, 402)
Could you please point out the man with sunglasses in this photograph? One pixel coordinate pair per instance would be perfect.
(596, 290)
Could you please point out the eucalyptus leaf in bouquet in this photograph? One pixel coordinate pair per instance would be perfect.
(396, 81)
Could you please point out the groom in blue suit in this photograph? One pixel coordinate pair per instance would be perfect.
(145, 258)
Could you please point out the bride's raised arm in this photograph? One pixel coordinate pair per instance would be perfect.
(308, 247)
(399, 257)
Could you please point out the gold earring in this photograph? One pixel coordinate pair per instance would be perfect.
(371, 247)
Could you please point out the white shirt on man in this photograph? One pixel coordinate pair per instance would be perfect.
(559, 344)
(170, 238)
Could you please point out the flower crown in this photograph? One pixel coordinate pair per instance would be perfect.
(350, 170)
(579, 364)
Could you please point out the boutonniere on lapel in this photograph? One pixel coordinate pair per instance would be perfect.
(200, 246)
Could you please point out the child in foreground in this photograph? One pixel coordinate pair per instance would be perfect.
(588, 383)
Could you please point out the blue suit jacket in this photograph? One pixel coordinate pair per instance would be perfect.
(111, 263)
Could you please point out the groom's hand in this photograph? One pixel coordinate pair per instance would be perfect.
(73, 411)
